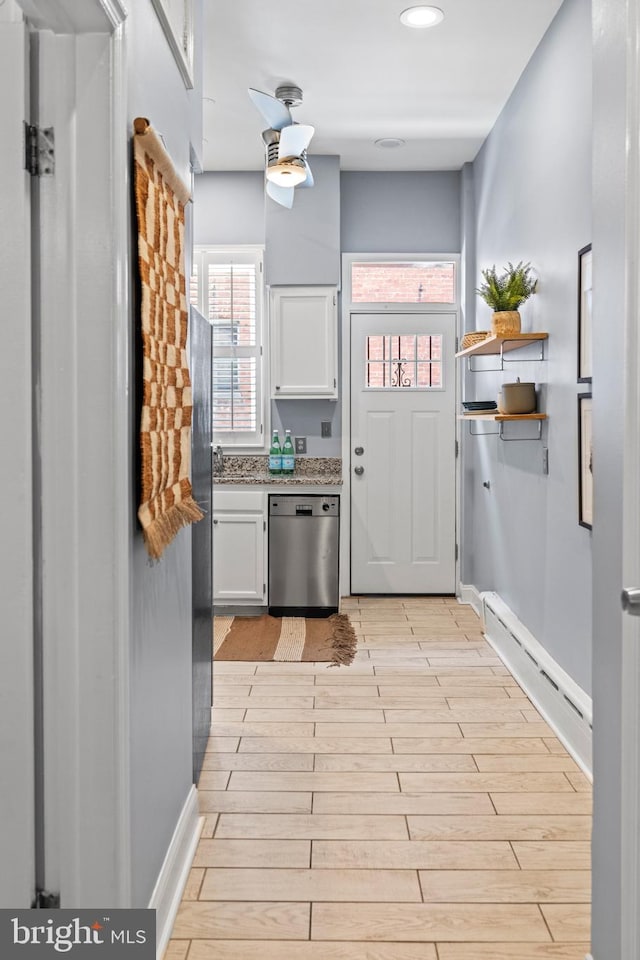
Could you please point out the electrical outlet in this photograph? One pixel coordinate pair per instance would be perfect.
(325, 428)
(301, 444)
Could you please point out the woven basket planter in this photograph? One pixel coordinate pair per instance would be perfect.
(476, 336)
(505, 322)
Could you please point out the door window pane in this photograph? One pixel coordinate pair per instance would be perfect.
(404, 361)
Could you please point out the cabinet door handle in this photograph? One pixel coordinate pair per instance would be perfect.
(215, 521)
(277, 388)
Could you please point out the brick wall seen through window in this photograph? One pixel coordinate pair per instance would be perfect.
(409, 282)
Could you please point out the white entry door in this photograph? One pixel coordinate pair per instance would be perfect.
(403, 453)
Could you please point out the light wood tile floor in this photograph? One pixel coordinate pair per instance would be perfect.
(412, 806)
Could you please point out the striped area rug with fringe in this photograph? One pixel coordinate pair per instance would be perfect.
(284, 639)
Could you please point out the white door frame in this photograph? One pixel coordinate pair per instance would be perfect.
(347, 308)
(16, 579)
(85, 455)
(630, 726)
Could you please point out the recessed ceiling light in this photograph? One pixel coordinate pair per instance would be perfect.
(421, 17)
(389, 143)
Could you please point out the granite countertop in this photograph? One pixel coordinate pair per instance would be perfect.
(309, 471)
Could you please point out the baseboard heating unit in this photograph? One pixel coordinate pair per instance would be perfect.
(558, 698)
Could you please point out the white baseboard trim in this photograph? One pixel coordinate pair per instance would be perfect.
(467, 593)
(172, 878)
(558, 698)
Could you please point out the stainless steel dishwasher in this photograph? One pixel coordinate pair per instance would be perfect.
(303, 555)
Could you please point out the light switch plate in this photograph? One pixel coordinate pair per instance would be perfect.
(325, 428)
(301, 444)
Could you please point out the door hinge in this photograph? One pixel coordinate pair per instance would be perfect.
(334, 300)
(264, 589)
(457, 448)
(457, 344)
(39, 150)
(456, 551)
(264, 525)
(46, 901)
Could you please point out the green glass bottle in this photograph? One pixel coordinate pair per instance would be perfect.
(275, 454)
(288, 455)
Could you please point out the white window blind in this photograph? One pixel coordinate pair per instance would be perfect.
(230, 294)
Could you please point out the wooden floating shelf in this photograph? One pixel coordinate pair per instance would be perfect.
(495, 345)
(502, 417)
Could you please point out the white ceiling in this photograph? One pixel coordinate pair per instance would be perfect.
(366, 76)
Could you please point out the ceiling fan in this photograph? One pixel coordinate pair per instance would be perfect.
(285, 142)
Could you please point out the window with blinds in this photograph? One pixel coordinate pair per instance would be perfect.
(227, 287)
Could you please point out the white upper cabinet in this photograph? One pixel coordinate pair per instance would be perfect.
(304, 342)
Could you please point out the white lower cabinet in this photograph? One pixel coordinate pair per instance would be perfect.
(239, 547)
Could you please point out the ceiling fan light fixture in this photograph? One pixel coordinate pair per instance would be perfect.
(421, 17)
(389, 143)
(287, 173)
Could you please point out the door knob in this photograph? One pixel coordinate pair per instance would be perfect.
(359, 471)
(631, 601)
(359, 451)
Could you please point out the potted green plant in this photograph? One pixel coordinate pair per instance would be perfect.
(504, 293)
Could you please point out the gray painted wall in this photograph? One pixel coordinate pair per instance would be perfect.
(468, 297)
(379, 212)
(303, 244)
(160, 680)
(400, 212)
(533, 202)
(303, 418)
(229, 208)
(611, 101)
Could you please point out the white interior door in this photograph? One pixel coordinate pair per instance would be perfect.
(403, 453)
(17, 876)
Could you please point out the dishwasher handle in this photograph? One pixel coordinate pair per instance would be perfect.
(304, 511)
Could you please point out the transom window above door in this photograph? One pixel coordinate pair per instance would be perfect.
(403, 282)
(411, 361)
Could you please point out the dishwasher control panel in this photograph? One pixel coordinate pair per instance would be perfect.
(314, 505)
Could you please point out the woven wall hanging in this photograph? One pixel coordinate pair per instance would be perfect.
(166, 500)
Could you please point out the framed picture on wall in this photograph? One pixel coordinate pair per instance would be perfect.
(585, 272)
(585, 462)
(176, 18)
